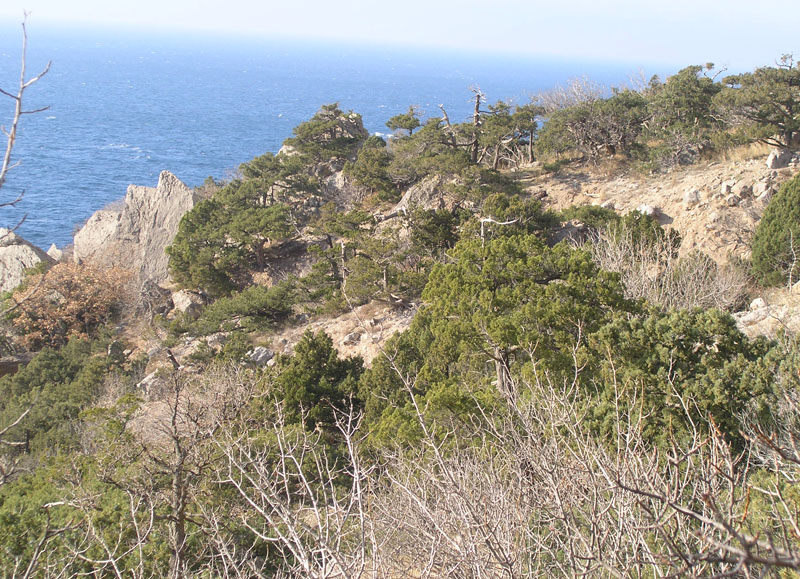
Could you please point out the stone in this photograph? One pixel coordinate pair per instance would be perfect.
(608, 204)
(54, 252)
(137, 234)
(760, 188)
(732, 200)
(691, 198)
(188, 303)
(260, 355)
(757, 304)
(779, 158)
(742, 189)
(353, 337)
(149, 383)
(726, 187)
(17, 255)
(647, 210)
(217, 341)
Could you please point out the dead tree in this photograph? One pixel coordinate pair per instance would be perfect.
(10, 132)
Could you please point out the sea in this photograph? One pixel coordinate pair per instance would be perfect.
(123, 105)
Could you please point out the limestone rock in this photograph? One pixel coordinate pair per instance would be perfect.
(342, 190)
(17, 255)
(779, 158)
(427, 194)
(742, 189)
(726, 187)
(54, 252)
(647, 210)
(353, 337)
(137, 235)
(260, 355)
(188, 303)
(691, 198)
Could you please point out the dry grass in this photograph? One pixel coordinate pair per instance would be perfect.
(741, 153)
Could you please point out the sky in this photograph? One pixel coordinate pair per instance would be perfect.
(738, 34)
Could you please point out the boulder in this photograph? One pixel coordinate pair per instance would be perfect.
(779, 158)
(691, 198)
(742, 189)
(726, 187)
(427, 194)
(260, 355)
(54, 252)
(188, 303)
(17, 255)
(648, 210)
(137, 235)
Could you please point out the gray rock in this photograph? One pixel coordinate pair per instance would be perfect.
(17, 255)
(260, 355)
(353, 337)
(217, 341)
(742, 189)
(732, 200)
(427, 194)
(760, 188)
(137, 235)
(54, 252)
(647, 210)
(188, 303)
(691, 197)
(779, 158)
(608, 204)
(726, 187)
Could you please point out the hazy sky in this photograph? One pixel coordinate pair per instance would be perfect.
(738, 33)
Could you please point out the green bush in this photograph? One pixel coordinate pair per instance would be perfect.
(776, 243)
(255, 308)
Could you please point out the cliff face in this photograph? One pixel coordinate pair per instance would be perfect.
(136, 236)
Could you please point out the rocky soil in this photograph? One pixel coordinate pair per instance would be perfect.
(715, 206)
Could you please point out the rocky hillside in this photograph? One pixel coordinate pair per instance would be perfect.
(715, 206)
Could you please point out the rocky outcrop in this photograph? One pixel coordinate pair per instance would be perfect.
(779, 158)
(136, 236)
(17, 255)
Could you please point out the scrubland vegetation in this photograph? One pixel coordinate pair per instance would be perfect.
(575, 408)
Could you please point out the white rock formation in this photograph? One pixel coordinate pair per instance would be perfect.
(17, 255)
(136, 236)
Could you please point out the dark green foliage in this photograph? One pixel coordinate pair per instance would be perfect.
(594, 216)
(315, 383)
(432, 150)
(776, 243)
(498, 310)
(434, 232)
(405, 122)
(254, 308)
(678, 368)
(682, 116)
(765, 102)
(221, 239)
(371, 169)
(527, 216)
(56, 385)
(329, 134)
(596, 127)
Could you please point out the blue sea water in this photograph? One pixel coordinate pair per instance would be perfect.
(125, 105)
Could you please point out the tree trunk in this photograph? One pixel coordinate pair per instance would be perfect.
(476, 122)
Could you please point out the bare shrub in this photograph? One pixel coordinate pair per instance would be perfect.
(651, 269)
(69, 301)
